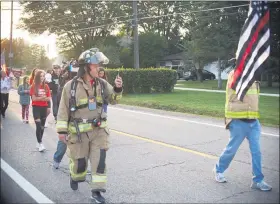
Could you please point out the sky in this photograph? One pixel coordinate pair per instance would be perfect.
(48, 41)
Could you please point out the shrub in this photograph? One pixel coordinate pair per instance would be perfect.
(148, 80)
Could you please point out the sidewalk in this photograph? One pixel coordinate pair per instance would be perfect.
(218, 91)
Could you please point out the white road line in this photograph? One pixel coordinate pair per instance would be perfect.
(31, 190)
(181, 119)
(218, 91)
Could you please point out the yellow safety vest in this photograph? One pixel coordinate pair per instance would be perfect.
(248, 109)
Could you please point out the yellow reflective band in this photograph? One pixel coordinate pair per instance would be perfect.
(82, 101)
(103, 124)
(116, 96)
(244, 114)
(61, 124)
(99, 179)
(78, 176)
(250, 91)
(99, 99)
(83, 128)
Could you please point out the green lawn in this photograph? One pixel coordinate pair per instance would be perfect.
(201, 103)
(213, 84)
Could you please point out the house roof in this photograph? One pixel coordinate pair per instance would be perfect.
(177, 56)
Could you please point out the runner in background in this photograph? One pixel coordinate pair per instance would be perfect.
(54, 89)
(24, 99)
(6, 85)
(40, 94)
(48, 79)
(68, 73)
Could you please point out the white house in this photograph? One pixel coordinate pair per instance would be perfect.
(178, 60)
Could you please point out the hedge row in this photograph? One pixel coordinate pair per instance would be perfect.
(148, 80)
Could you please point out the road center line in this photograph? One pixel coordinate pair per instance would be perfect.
(181, 119)
(31, 190)
(209, 156)
(166, 145)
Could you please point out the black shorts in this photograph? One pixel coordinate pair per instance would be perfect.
(39, 112)
(49, 104)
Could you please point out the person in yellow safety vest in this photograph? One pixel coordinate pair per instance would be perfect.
(241, 118)
(82, 123)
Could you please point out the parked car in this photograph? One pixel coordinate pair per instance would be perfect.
(179, 69)
(191, 75)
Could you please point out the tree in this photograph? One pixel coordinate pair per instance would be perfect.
(19, 49)
(26, 55)
(78, 24)
(213, 35)
(152, 48)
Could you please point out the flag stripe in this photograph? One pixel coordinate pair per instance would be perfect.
(240, 67)
(252, 59)
(251, 31)
(246, 34)
(257, 64)
(257, 70)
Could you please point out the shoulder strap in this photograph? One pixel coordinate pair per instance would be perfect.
(72, 102)
(102, 84)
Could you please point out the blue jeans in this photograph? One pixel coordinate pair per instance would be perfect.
(55, 105)
(238, 131)
(60, 151)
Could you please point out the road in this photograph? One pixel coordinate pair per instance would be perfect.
(155, 157)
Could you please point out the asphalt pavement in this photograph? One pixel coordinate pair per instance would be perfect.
(155, 157)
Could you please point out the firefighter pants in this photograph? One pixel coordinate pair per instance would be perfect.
(93, 148)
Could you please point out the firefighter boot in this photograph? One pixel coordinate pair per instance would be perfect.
(97, 197)
(73, 184)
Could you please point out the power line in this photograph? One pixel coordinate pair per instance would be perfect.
(224, 14)
(151, 17)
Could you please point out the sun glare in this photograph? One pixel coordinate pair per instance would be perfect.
(46, 40)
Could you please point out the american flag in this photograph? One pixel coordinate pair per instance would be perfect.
(253, 48)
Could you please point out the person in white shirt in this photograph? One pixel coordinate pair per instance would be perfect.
(6, 85)
(48, 77)
(48, 80)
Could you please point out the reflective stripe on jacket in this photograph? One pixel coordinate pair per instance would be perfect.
(235, 109)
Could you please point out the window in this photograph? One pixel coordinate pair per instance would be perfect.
(176, 62)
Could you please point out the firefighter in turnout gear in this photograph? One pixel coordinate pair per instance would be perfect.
(82, 123)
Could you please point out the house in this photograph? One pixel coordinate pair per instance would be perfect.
(178, 59)
(172, 60)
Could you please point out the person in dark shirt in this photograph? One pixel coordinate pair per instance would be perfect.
(66, 75)
(54, 88)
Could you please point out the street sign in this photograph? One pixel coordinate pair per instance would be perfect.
(11, 55)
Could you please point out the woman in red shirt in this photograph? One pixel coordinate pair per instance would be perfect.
(40, 94)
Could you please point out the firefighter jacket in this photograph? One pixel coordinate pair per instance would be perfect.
(65, 117)
(235, 109)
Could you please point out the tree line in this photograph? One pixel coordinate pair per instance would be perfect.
(25, 55)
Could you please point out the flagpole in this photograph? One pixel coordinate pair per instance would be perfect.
(11, 36)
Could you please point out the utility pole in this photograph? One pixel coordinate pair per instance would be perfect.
(135, 35)
(11, 37)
